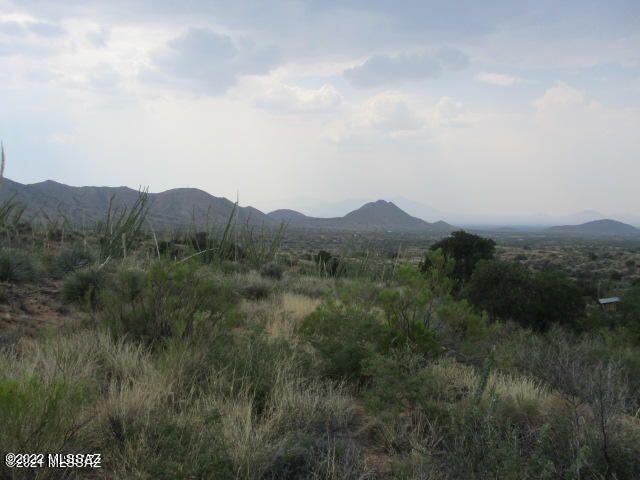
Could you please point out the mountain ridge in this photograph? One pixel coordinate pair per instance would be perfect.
(379, 215)
(185, 206)
(175, 208)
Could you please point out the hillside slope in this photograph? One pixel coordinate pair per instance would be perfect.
(174, 208)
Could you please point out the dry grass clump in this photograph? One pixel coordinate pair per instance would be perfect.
(308, 285)
(299, 306)
(102, 387)
(453, 380)
(290, 312)
(253, 286)
(279, 315)
(297, 427)
(456, 381)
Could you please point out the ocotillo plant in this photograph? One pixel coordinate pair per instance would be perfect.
(122, 226)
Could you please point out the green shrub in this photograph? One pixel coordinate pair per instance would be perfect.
(407, 310)
(84, 287)
(344, 332)
(37, 416)
(253, 364)
(533, 299)
(16, 266)
(397, 381)
(71, 259)
(128, 284)
(272, 270)
(175, 300)
(187, 449)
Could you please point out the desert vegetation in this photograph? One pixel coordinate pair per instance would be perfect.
(221, 354)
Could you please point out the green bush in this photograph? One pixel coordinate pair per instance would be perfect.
(16, 266)
(35, 416)
(184, 450)
(534, 299)
(344, 332)
(408, 308)
(71, 259)
(397, 381)
(272, 270)
(174, 300)
(84, 287)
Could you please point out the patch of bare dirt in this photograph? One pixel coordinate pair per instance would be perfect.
(25, 309)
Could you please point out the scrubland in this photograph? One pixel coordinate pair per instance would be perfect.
(226, 358)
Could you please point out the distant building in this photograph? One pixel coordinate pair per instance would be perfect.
(609, 304)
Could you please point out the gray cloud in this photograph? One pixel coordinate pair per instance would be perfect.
(383, 69)
(344, 29)
(208, 62)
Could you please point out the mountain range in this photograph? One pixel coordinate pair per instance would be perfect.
(606, 227)
(482, 221)
(181, 207)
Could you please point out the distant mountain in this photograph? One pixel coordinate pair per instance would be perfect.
(287, 215)
(382, 215)
(374, 216)
(181, 207)
(170, 209)
(597, 228)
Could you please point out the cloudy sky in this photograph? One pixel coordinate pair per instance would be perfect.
(499, 107)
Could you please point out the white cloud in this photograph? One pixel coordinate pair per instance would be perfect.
(451, 113)
(557, 97)
(499, 79)
(382, 69)
(393, 115)
(292, 99)
(387, 115)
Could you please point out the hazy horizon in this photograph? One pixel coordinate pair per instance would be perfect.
(497, 109)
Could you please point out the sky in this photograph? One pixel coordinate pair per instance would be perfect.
(493, 107)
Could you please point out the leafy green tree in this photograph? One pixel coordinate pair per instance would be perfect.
(556, 299)
(502, 289)
(466, 250)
